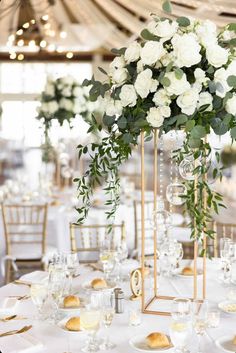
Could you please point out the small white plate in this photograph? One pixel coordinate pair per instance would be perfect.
(87, 286)
(73, 311)
(62, 324)
(225, 307)
(8, 306)
(138, 343)
(226, 343)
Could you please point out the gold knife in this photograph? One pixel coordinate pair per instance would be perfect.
(14, 332)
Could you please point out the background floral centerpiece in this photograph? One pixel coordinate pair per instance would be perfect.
(180, 75)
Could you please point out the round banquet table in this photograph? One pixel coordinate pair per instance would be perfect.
(55, 340)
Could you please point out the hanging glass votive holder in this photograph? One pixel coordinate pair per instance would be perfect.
(175, 193)
(187, 166)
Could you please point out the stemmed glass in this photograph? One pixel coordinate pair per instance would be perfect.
(108, 312)
(107, 258)
(225, 254)
(180, 308)
(72, 264)
(38, 293)
(200, 318)
(90, 322)
(121, 254)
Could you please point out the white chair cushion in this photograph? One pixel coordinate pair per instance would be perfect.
(30, 251)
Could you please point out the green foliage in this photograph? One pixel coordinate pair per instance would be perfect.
(166, 6)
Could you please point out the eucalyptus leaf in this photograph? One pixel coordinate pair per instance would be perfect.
(145, 34)
(183, 21)
(109, 120)
(233, 133)
(198, 132)
(231, 80)
(165, 82)
(178, 73)
(166, 6)
(122, 122)
(181, 119)
(232, 27)
(189, 125)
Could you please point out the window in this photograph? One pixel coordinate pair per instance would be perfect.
(20, 85)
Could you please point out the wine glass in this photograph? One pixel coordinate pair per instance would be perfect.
(121, 254)
(107, 258)
(72, 264)
(90, 322)
(200, 318)
(108, 312)
(180, 331)
(38, 293)
(56, 283)
(180, 308)
(225, 254)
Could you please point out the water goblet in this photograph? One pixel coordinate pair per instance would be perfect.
(90, 322)
(108, 312)
(200, 314)
(180, 331)
(38, 293)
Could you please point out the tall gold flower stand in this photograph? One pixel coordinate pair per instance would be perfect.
(147, 303)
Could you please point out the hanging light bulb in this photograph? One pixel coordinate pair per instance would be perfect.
(19, 32)
(69, 55)
(20, 57)
(13, 56)
(43, 43)
(26, 25)
(11, 38)
(33, 21)
(45, 17)
(20, 42)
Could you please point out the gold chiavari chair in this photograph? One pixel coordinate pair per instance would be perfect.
(25, 235)
(86, 239)
(222, 230)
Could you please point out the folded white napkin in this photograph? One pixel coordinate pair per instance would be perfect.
(34, 277)
(8, 306)
(24, 343)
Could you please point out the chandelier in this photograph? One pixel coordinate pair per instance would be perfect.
(33, 29)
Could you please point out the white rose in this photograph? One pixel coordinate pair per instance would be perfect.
(139, 66)
(186, 50)
(144, 83)
(156, 116)
(205, 98)
(44, 107)
(117, 63)
(230, 106)
(132, 53)
(113, 107)
(188, 101)
(152, 52)
(128, 96)
(77, 91)
(67, 80)
(177, 86)
(216, 55)
(52, 107)
(207, 33)
(231, 69)
(49, 89)
(66, 104)
(120, 76)
(66, 91)
(161, 98)
(220, 78)
(200, 76)
(164, 29)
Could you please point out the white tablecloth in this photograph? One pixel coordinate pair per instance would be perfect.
(56, 341)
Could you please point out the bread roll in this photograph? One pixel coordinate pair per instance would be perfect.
(157, 340)
(98, 283)
(71, 301)
(73, 324)
(234, 340)
(187, 271)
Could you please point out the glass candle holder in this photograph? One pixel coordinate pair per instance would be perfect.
(134, 317)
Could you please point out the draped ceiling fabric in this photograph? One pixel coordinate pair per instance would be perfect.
(99, 25)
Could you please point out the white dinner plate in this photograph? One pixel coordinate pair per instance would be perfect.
(87, 286)
(138, 343)
(62, 324)
(226, 343)
(228, 307)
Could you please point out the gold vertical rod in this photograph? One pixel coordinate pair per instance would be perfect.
(195, 236)
(205, 229)
(154, 209)
(142, 219)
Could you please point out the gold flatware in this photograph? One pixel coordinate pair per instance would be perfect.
(94, 267)
(76, 275)
(18, 281)
(14, 332)
(20, 297)
(8, 318)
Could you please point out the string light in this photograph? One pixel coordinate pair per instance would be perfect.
(69, 55)
(20, 57)
(26, 25)
(45, 17)
(20, 42)
(13, 56)
(43, 43)
(33, 21)
(32, 43)
(63, 34)
(19, 32)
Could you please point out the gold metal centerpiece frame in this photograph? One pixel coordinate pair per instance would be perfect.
(145, 304)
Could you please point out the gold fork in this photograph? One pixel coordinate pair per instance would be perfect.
(14, 332)
(19, 297)
(8, 318)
